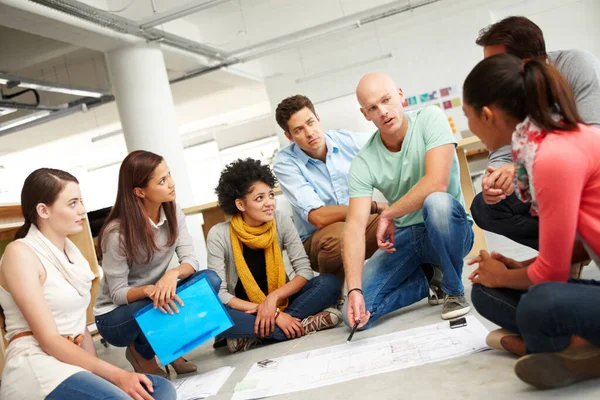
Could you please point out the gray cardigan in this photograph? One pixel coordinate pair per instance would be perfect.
(119, 277)
(220, 254)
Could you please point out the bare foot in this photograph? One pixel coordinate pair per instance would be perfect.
(514, 344)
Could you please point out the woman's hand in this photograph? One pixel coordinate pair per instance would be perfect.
(149, 290)
(509, 262)
(490, 272)
(133, 384)
(165, 293)
(265, 317)
(292, 327)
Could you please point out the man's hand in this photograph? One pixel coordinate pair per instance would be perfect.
(264, 325)
(292, 327)
(355, 309)
(489, 273)
(497, 184)
(385, 234)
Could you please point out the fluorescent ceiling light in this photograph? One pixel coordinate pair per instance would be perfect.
(51, 87)
(23, 120)
(74, 92)
(6, 110)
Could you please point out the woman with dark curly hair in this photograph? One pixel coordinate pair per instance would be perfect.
(246, 253)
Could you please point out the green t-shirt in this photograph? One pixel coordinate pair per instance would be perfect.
(394, 174)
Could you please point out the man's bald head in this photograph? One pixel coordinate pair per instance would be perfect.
(381, 101)
(374, 83)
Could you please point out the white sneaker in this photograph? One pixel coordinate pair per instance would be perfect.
(326, 319)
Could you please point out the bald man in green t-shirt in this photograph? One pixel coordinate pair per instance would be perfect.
(411, 159)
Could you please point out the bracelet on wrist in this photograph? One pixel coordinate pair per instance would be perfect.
(355, 290)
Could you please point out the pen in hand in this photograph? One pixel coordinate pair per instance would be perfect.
(353, 330)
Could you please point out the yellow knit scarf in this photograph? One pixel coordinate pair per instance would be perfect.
(261, 237)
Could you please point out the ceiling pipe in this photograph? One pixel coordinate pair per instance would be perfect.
(179, 12)
(72, 107)
(27, 106)
(127, 26)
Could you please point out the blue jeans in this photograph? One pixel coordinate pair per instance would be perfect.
(498, 305)
(317, 294)
(395, 280)
(85, 385)
(550, 313)
(119, 328)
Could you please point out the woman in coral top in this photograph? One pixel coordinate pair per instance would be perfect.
(557, 168)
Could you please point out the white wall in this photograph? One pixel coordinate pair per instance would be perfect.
(432, 46)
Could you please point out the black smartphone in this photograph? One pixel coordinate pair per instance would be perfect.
(267, 363)
(458, 323)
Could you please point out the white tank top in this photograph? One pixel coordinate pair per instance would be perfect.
(29, 372)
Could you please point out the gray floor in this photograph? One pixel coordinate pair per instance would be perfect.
(487, 374)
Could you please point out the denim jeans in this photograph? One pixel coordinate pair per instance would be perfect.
(497, 305)
(317, 294)
(550, 313)
(510, 218)
(395, 280)
(85, 385)
(119, 328)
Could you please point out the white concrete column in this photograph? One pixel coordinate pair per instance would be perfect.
(143, 93)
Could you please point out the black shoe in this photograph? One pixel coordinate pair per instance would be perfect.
(435, 275)
(219, 342)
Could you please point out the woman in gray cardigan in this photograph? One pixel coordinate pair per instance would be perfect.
(246, 253)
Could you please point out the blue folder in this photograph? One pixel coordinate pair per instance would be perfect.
(202, 317)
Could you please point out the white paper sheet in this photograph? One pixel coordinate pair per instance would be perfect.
(203, 385)
(362, 358)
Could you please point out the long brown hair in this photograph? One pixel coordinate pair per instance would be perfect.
(41, 186)
(535, 89)
(137, 241)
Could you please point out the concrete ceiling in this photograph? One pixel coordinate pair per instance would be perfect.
(39, 42)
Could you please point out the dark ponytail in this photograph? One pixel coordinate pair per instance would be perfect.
(534, 89)
(41, 186)
(23, 230)
(548, 92)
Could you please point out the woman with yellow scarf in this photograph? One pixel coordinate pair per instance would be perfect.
(246, 253)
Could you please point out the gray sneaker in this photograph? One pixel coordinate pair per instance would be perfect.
(455, 306)
(435, 284)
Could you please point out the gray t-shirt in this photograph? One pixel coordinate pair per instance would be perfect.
(582, 70)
